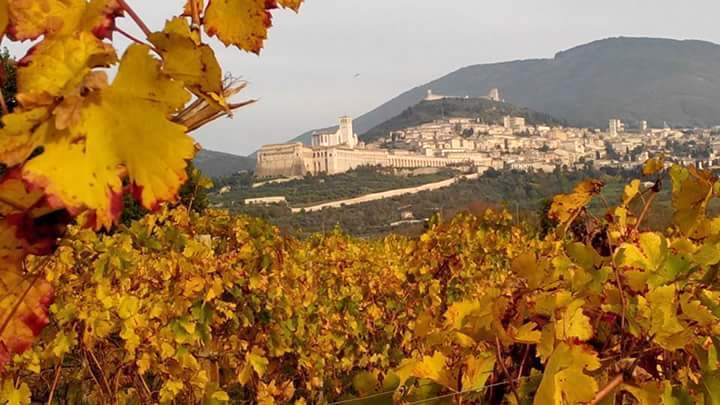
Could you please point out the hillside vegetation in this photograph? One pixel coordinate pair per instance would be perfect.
(487, 111)
(218, 164)
(526, 194)
(322, 188)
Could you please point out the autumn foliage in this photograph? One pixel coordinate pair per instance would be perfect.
(181, 307)
(77, 142)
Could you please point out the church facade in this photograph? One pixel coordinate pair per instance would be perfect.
(339, 151)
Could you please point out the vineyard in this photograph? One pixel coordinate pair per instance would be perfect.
(189, 306)
(212, 308)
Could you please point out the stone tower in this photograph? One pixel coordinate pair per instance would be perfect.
(346, 134)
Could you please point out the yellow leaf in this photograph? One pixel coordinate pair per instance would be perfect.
(526, 266)
(631, 191)
(478, 370)
(243, 23)
(15, 396)
(187, 60)
(434, 368)
(527, 334)
(405, 370)
(692, 191)
(458, 311)
(3, 16)
(293, 4)
(574, 324)
(112, 138)
(144, 363)
(128, 307)
(21, 134)
(565, 207)
(257, 361)
(55, 18)
(565, 379)
(653, 166)
(31, 19)
(58, 66)
(666, 328)
(220, 396)
(24, 301)
(170, 390)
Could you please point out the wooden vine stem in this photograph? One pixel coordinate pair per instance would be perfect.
(607, 390)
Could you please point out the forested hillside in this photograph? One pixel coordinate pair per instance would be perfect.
(653, 79)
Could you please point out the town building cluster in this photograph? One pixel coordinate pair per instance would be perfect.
(471, 142)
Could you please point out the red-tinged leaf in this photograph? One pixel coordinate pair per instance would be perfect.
(24, 298)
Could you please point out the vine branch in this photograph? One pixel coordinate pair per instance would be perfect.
(607, 390)
(125, 6)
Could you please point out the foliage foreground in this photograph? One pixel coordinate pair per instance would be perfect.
(214, 308)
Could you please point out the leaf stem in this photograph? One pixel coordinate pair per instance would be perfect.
(135, 17)
(22, 297)
(500, 359)
(58, 369)
(195, 17)
(131, 37)
(3, 104)
(607, 390)
(645, 210)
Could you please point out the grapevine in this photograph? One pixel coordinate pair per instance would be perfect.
(187, 307)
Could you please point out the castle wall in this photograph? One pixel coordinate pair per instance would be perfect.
(281, 160)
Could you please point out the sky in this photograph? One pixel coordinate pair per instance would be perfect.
(305, 78)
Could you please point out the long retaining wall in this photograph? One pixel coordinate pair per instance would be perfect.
(385, 194)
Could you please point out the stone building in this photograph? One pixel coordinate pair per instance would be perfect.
(338, 151)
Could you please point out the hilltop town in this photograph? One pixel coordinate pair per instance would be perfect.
(469, 141)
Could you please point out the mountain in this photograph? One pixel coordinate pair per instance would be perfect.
(218, 164)
(487, 110)
(652, 79)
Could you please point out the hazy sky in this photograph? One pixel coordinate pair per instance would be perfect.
(305, 76)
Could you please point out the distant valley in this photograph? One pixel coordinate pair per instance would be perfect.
(218, 164)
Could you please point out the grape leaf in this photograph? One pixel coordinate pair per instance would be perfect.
(653, 166)
(565, 380)
(54, 18)
(187, 60)
(565, 207)
(434, 368)
(574, 324)
(243, 23)
(293, 4)
(692, 191)
(24, 300)
(22, 133)
(4, 19)
(31, 19)
(58, 66)
(527, 334)
(113, 137)
(19, 395)
(478, 370)
(665, 326)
